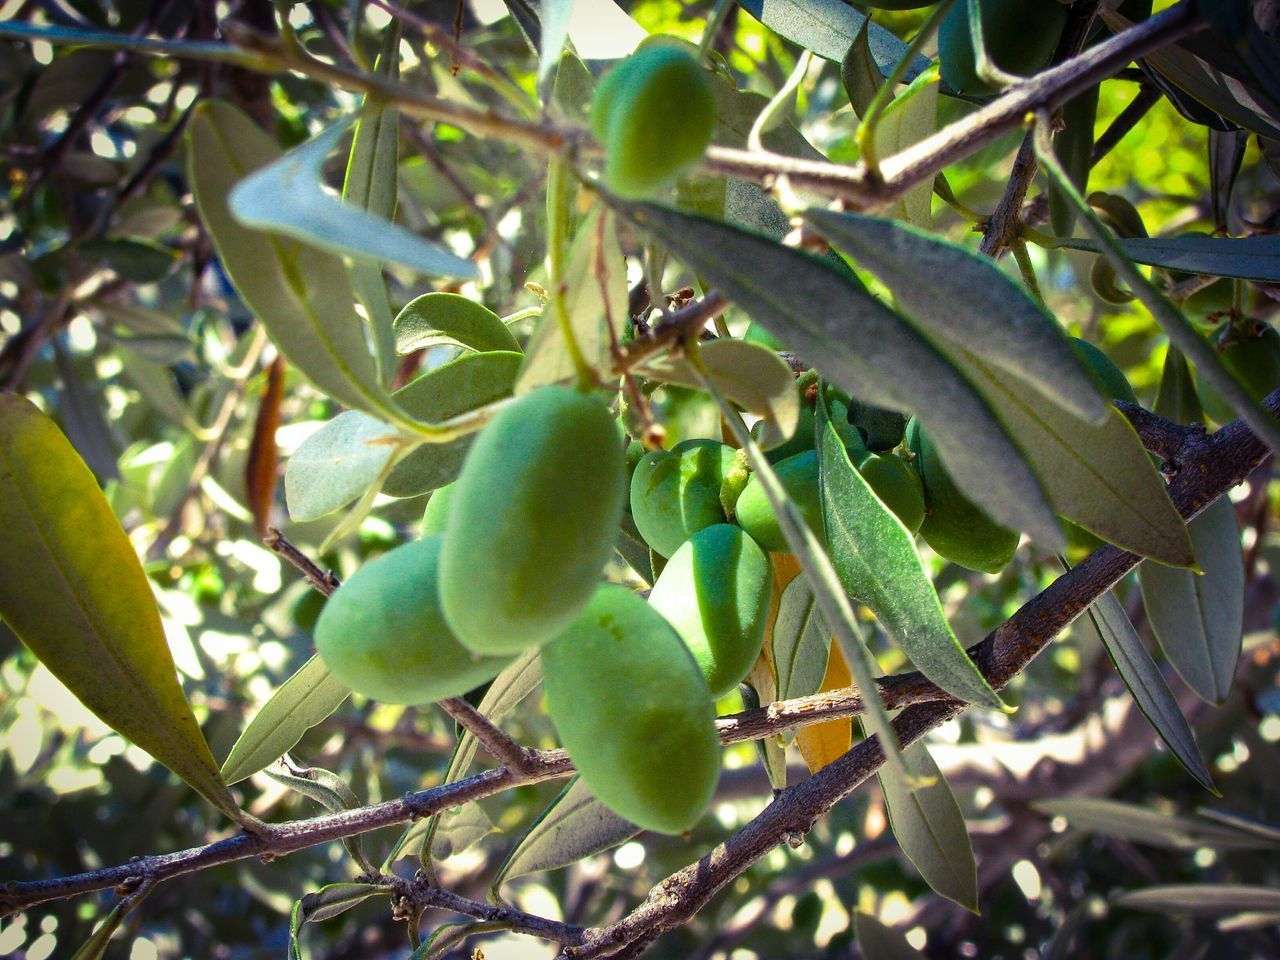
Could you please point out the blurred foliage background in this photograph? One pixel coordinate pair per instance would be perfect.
(114, 315)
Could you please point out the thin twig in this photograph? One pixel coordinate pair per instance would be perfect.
(500, 746)
(325, 581)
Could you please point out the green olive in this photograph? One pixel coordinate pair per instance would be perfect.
(676, 493)
(633, 712)
(382, 633)
(654, 113)
(532, 521)
(799, 477)
(897, 485)
(955, 527)
(715, 590)
(1019, 35)
(1110, 378)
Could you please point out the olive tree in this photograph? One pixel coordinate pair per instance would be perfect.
(686, 414)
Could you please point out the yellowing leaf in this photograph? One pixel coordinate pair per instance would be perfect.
(823, 743)
(72, 589)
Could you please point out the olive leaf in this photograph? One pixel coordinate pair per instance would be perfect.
(882, 942)
(327, 789)
(909, 118)
(1147, 685)
(575, 825)
(1150, 827)
(72, 589)
(307, 698)
(337, 464)
(95, 948)
(930, 828)
(957, 296)
(862, 346)
(1249, 258)
(876, 560)
(329, 901)
(449, 318)
(822, 744)
(467, 383)
(301, 295)
(801, 642)
(556, 17)
(1203, 899)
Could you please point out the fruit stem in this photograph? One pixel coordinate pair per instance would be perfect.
(712, 29)
(865, 135)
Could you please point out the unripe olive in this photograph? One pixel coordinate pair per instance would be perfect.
(654, 113)
(715, 590)
(799, 477)
(1019, 35)
(382, 633)
(1110, 378)
(800, 441)
(1253, 360)
(955, 527)
(633, 712)
(897, 485)
(532, 521)
(676, 493)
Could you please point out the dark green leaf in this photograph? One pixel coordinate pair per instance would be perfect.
(858, 71)
(863, 347)
(876, 560)
(1250, 258)
(72, 589)
(827, 27)
(960, 297)
(135, 259)
(1151, 827)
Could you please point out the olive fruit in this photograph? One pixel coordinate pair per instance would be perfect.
(715, 591)
(676, 493)
(1019, 36)
(897, 485)
(532, 521)
(1254, 360)
(436, 516)
(633, 712)
(654, 113)
(955, 527)
(799, 477)
(382, 633)
(1109, 377)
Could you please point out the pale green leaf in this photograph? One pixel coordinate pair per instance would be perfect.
(862, 346)
(467, 383)
(337, 464)
(756, 379)
(576, 825)
(435, 318)
(72, 589)
(556, 17)
(876, 560)
(930, 828)
(327, 789)
(801, 642)
(957, 295)
(301, 295)
(95, 948)
(307, 698)
(1139, 824)
(912, 116)
(288, 196)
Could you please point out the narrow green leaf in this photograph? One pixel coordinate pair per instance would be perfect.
(556, 16)
(1099, 475)
(595, 281)
(909, 118)
(435, 318)
(301, 295)
(338, 463)
(863, 347)
(859, 73)
(287, 196)
(1151, 827)
(133, 258)
(1256, 828)
(307, 698)
(801, 642)
(958, 296)
(467, 383)
(458, 832)
(930, 828)
(881, 942)
(756, 379)
(876, 560)
(327, 789)
(371, 185)
(326, 903)
(1202, 899)
(827, 27)
(1249, 258)
(1074, 146)
(575, 826)
(1144, 680)
(95, 948)
(72, 589)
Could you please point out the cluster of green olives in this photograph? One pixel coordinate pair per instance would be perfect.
(654, 113)
(512, 558)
